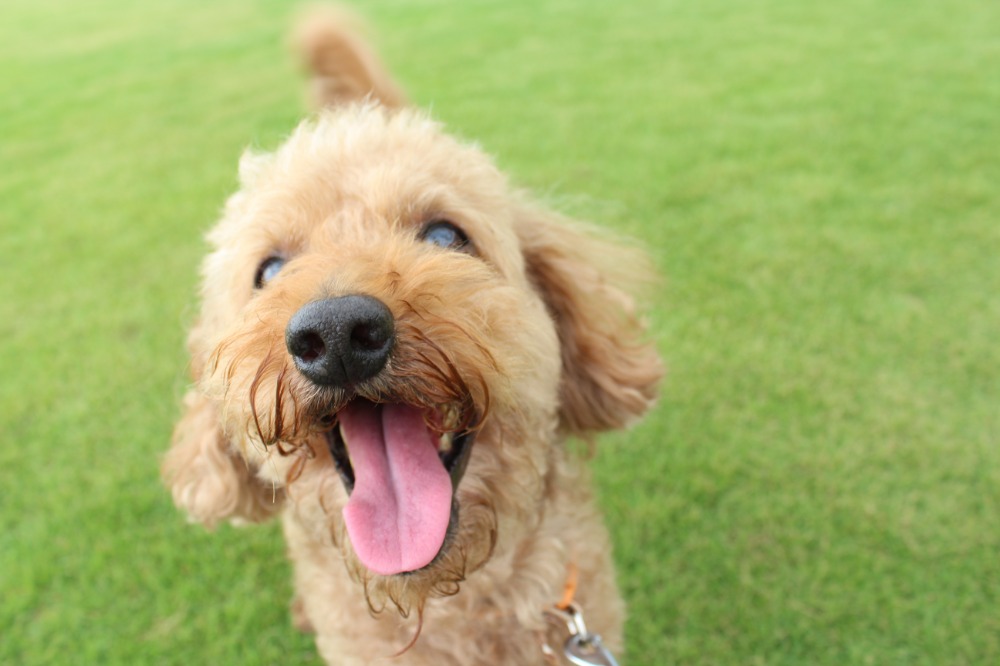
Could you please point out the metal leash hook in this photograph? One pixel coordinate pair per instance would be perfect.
(582, 648)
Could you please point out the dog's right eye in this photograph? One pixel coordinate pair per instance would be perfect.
(267, 270)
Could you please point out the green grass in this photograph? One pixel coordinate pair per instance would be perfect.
(819, 183)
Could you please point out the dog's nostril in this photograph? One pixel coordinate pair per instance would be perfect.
(309, 347)
(369, 337)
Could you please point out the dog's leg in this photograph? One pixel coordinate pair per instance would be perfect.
(300, 620)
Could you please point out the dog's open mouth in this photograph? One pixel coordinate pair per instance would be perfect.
(401, 466)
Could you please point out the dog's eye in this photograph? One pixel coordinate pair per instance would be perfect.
(445, 234)
(267, 270)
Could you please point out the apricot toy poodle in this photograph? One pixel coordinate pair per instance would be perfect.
(393, 350)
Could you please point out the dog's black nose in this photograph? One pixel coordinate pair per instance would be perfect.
(341, 341)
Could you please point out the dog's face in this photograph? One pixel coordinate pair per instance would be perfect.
(394, 341)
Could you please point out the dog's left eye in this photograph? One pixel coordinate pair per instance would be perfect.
(445, 234)
(267, 270)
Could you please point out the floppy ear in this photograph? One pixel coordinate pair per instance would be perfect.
(208, 478)
(610, 370)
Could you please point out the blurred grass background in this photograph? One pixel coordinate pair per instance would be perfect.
(819, 183)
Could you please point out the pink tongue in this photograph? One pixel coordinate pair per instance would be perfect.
(400, 507)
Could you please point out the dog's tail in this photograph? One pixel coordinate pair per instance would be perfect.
(342, 65)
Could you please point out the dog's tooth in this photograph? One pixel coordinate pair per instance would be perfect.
(445, 442)
(451, 418)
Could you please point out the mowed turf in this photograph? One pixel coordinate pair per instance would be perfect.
(819, 184)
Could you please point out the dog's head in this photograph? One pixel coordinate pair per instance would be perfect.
(392, 343)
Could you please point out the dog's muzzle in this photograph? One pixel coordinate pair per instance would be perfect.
(340, 342)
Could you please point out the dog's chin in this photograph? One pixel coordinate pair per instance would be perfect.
(462, 525)
(406, 522)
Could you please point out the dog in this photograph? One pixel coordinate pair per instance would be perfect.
(394, 351)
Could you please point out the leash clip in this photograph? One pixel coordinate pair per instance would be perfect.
(582, 648)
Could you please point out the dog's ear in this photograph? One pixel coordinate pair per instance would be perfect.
(342, 65)
(207, 477)
(610, 370)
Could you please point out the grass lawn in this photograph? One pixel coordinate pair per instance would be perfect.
(819, 184)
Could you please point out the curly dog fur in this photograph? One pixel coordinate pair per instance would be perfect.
(520, 339)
